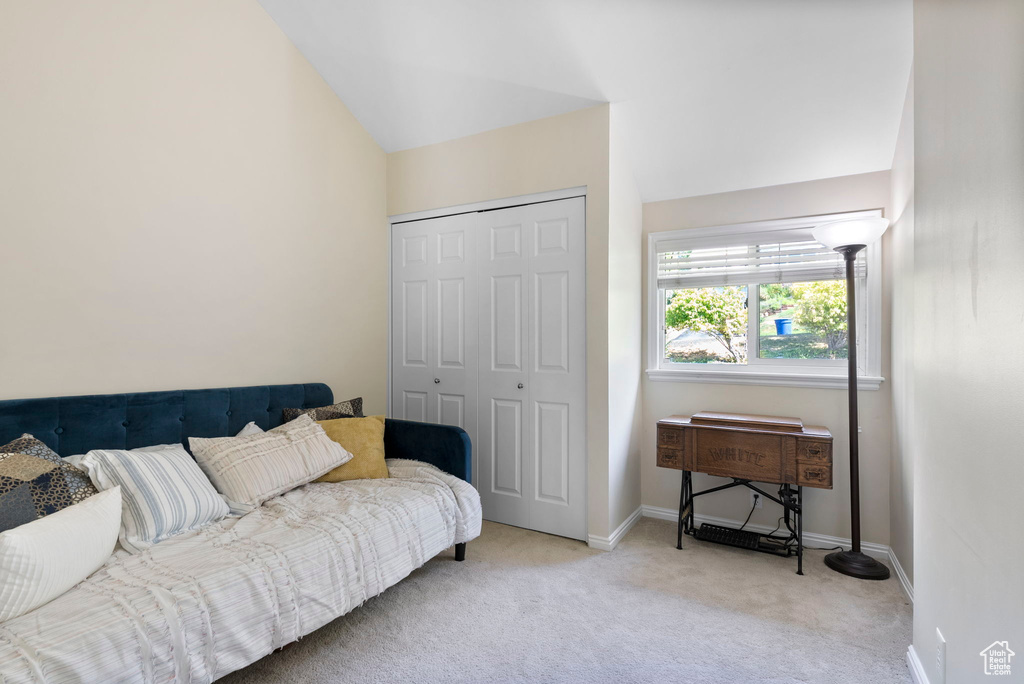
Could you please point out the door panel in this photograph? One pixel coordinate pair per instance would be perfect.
(506, 316)
(455, 334)
(451, 409)
(557, 379)
(551, 435)
(506, 241)
(507, 447)
(414, 323)
(504, 423)
(414, 405)
(451, 246)
(414, 250)
(411, 367)
(552, 237)
(551, 322)
(532, 353)
(434, 330)
(451, 317)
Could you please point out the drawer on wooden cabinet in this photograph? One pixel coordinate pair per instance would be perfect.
(670, 458)
(813, 450)
(670, 437)
(814, 475)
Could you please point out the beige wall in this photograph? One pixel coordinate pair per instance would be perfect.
(183, 203)
(558, 152)
(827, 511)
(625, 358)
(968, 323)
(899, 243)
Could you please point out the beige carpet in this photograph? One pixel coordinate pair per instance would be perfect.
(528, 607)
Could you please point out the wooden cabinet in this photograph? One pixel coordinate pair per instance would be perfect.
(760, 448)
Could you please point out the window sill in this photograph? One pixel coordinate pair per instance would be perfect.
(769, 378)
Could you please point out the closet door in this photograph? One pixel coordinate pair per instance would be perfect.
(532, 455)
(433, 321)
(412, 372)
(505, 468)
(557, 373)
(453, 340)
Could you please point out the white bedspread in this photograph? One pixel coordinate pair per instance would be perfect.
(203, 604)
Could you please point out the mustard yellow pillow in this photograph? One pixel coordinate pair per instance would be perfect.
(364, 438)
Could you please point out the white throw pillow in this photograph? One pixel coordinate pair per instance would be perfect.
(250, 470)
(251, 428)
(42, 559)
(163, 492)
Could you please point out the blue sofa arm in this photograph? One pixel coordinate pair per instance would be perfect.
(445, 446)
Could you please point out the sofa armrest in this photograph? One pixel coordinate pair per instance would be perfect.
(445, 446)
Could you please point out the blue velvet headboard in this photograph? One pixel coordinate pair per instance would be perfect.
(74, 425)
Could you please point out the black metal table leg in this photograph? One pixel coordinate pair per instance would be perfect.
(682, 508)
(799, 530)
(688, 513)
(786, 495)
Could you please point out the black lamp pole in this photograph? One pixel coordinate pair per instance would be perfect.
(853, 562)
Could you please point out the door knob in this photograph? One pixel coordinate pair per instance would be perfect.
(520, 385)
(437, 381)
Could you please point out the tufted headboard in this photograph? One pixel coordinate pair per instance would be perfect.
(74, 425)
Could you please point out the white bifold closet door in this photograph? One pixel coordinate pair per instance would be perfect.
(522, 327)
(532, 367)
(434, 321)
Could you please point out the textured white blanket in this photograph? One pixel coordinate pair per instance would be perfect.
(200, 605)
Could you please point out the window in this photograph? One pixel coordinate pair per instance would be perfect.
(760, 303)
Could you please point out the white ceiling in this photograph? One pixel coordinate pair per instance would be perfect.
(714, 95)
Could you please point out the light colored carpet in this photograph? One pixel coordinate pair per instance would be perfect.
(528, 607)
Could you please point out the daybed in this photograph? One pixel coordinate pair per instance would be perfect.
(202, 604)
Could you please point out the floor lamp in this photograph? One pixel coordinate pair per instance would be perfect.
(848, 238)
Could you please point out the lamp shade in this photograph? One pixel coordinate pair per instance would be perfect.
(858, 231)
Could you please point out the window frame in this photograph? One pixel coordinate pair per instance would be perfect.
(825, 373)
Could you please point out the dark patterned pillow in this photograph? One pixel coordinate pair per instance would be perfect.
(353, 408)
(35, 481)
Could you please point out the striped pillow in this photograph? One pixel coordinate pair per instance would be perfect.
(163, 492)
(250, 470)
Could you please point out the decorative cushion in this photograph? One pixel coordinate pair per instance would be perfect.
(42, 559)
(35, 482)
(364, 438)
(250, 470)
(251, 428)
(163, 491)
(343, 409)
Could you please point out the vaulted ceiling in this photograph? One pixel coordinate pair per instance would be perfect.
(713, 95)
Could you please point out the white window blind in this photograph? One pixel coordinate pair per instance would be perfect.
(795, 260)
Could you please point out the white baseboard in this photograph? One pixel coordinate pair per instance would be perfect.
(811, 539)
(609, 543)
(916, 668)
(908, 588)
